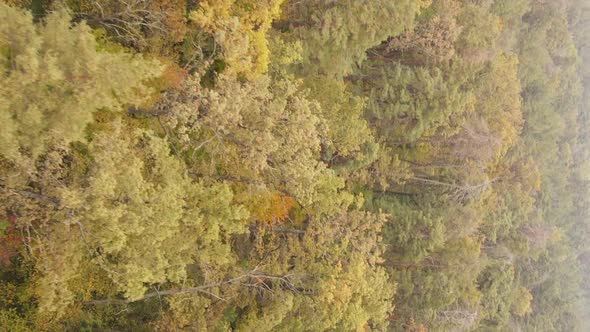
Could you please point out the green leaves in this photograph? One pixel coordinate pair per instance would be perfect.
(3, 225)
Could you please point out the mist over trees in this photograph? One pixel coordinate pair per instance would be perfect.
(284, 165)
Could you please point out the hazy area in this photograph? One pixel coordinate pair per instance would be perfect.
(294, 165)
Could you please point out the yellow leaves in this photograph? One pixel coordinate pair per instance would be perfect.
(337, 293)
(284, 52)
(522, 302)
(342, 112)
(500, 101)
(57, 78)
(353, 293)
(58, 259)
(135, 196)
(480, 33)
(208, 13)
(10, 320)
(556, 236)
(525, 173)
(423, 3)
(240, 27)
(91, 281)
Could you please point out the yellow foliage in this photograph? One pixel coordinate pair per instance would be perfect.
(522, 302)
(57, 78)
(240, 27)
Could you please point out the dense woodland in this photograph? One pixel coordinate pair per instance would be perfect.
(294, 165)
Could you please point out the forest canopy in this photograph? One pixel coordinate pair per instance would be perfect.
(283, 165)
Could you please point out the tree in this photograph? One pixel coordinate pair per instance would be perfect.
(336, 36)
(422, 102)
(144, 25)
(346, 129)
(55, 79)
(496, 283)
(431, 41)
(240, 28)
(316, 165)
(521, 304)
(481, 29)
(413, 232)
(266, 127)
(135, 196)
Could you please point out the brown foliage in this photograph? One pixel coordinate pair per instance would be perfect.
(151, 25)
(10, 240)
(432, 41)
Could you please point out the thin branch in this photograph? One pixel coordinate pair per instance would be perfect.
(256, 276)
(37, 196)
(201, 289)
